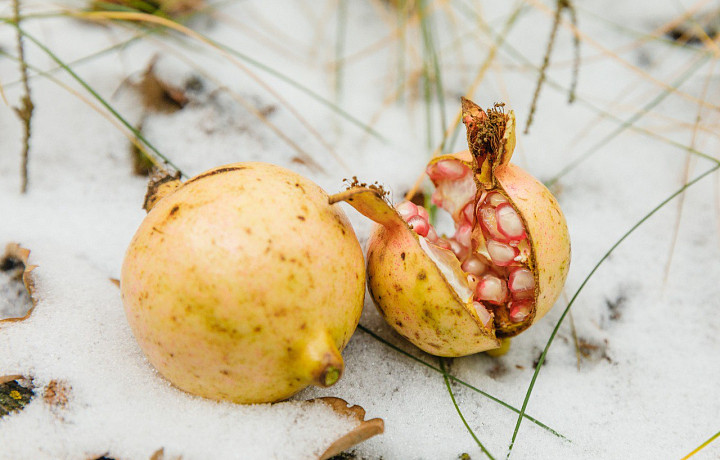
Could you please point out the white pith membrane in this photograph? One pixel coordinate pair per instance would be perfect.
(494, 273)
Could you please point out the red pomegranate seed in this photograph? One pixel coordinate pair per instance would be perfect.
(485, 316)
(474, 265)
(489, 223)
(447, 169)
(519, 310)
(509, 223)
(407, 209)
(491, 289)
(420, 225)
(521, 280)
(495, 199)
(501, 253)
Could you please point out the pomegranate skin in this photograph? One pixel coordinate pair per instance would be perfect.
(244, 284)
(408, 288)
(421, 290)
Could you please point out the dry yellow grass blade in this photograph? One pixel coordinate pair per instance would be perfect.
(654, 35)
(584, 37)
(468, 94)
(686, 176)
(148, 18)
(2, 95)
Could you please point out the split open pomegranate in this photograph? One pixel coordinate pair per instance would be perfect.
(501, 269)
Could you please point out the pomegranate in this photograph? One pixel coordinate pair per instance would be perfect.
(501, 270)
(244, 284)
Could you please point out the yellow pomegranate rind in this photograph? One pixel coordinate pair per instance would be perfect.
(244, 284)
(408, 288)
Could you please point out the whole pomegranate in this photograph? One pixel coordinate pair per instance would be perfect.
(501, 270)
(244, 283)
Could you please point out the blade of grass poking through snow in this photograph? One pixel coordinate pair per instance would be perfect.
(631, 120)
(431, 70)
(457, 408)
(133, 139)
(247, 105)
(461, 382)
(340, 33)
(149, 18)
(510, 50)
(265, 68)
(701, 446)
(454, 129)
(585, 281)
(102, 101)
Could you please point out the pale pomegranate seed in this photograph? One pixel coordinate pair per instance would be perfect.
(474, 265)
(463, 235)
(432, 235)
(501, 253)
(521, 280)
(485, 316)
(407, 209)
(443, 243)
(472, 281)
(468, 212)
(437, 198)
(519, 310)
(491, 289)
(495, 199)
(486, 214)
(422, 212)
(447, 169)
(420, 225)
(509, 223)
(461, 252)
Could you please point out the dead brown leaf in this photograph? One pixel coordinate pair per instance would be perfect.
(16, 254)
(365, 430)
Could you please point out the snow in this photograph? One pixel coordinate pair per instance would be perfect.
(648, 387)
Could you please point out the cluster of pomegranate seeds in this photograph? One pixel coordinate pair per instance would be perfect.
(501, 281)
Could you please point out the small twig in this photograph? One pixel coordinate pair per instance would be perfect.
(25, 111)
(561, 5)
(576, 58)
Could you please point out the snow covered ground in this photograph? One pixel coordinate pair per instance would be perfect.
(639, 382)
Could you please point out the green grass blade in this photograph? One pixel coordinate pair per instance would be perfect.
(514, 53)
(99, 98)
(582, 285)
(632, 120)
(284, 78)
(701, 446)
(461, 382)
(457, 408)
(340, 46)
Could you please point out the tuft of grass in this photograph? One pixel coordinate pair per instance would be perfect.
(102, 101)
(561, 5)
